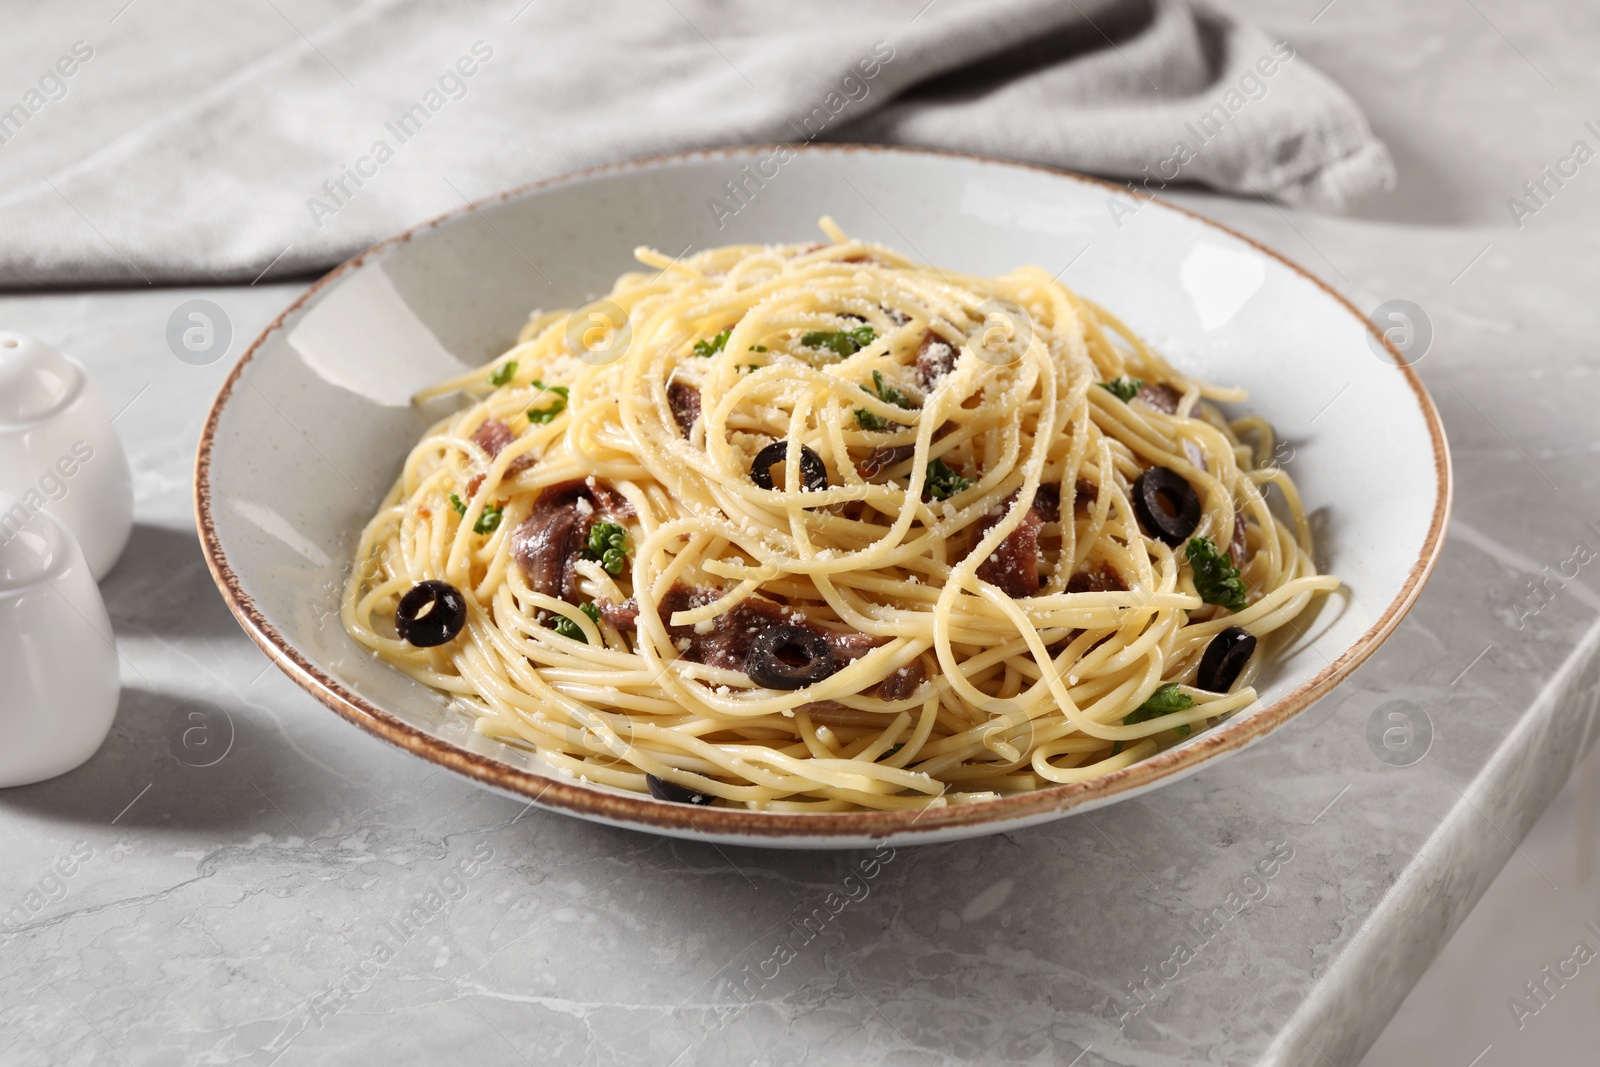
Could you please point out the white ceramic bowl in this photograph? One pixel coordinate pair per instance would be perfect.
(310, 430)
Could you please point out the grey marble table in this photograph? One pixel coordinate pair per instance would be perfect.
(298, 892)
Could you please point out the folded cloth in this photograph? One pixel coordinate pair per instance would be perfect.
(191, 141)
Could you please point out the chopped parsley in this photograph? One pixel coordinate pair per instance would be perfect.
(489, 521)
(1123, 388)
(608, 543)
(888, 394)
(554, 408)
(503, 373)
(892, 750)
(943, 481)
(840, 342)
(1216, 579)
(713, 346)
(1164, 701)
(569, 629)
(758, 348)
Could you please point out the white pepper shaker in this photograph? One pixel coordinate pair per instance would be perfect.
(59, 452)
(58, 659)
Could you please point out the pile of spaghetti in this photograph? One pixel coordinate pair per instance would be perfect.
(819, 528)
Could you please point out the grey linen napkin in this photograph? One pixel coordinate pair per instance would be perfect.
(189, 140)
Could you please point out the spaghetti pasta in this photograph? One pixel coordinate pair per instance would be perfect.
(819, 528)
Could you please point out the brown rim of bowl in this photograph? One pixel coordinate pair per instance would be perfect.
(556, 792)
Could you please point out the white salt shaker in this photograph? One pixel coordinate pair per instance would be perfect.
(59, 452)
(58, 661)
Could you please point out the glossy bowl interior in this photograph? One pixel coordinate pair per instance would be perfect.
(310, 430)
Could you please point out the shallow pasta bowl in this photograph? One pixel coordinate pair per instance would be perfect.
(310, 429)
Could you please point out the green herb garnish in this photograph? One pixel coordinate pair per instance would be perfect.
(888, 394)
(1164, 701)
(1216, 579)
(713, 346)
(608, 543)
(943, 481)
(840, 342)
(758, 348)
(503, 373)
(555, 407)
(892, 750)
(569, 629)
(489, 521)
(1123, 388)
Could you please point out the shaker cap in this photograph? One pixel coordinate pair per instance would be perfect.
(31, 544)
(35, 379)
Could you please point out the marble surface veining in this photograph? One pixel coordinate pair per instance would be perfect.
(290, 890)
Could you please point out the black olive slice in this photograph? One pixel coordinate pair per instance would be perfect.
(789, 657)
(1167, 505)
(433, 613)
(813, 473)
(1224, 658)
(662, 789)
